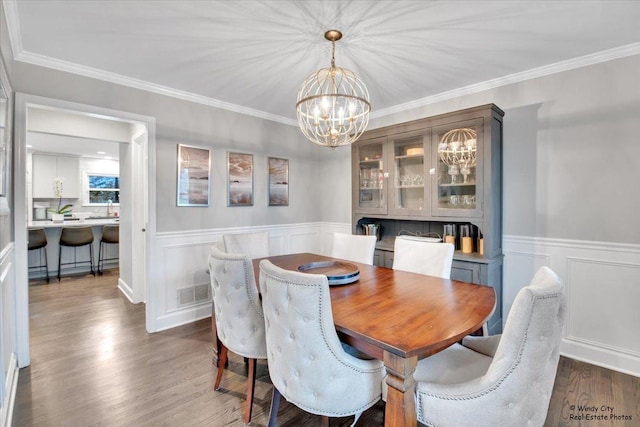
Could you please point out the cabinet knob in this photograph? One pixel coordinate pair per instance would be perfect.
(432, 171)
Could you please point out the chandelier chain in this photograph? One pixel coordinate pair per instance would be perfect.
(333, 55)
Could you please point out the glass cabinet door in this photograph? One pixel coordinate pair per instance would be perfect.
(458, 172)
(408, 179)
(371, 182)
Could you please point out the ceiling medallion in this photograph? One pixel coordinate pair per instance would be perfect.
(333, 103)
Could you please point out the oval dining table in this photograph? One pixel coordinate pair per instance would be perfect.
(399, 317)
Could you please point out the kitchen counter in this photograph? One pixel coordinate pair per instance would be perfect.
(47, 223)
(53, 231)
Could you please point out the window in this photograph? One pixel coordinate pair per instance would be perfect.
(102, 188)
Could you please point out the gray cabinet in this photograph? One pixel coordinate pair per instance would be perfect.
(435, 174)
(383, 258)
(482, 273)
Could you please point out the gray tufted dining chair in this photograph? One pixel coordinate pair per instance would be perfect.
(307, 363)
(253, 245)
(423, 257)
(498, 380)
(352, 247)
(238, 314)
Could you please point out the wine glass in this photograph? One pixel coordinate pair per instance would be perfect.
(453, 171)
(465, 170)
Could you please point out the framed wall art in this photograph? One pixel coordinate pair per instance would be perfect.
(278, 181)
(194, 175)
(239, 179)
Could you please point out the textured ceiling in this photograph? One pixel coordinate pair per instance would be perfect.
(251, 56)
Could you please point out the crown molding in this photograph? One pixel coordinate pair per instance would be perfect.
(558, 67)
(69, 67)
(19, 54)
(13, 25)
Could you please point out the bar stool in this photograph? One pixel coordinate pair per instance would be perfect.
(111, 235)
(38, 240)
(76, 237)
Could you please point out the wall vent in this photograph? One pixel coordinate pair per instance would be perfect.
(185, 296)
(202, 292)
(194, 294)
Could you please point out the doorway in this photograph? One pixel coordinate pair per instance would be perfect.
(138, 221)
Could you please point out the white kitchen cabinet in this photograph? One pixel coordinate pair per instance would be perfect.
(47, 168)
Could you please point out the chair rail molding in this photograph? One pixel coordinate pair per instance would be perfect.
(183, 255)
(601, 284)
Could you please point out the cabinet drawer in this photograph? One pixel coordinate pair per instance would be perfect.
(378, 258)
(465, 272)
(383, 258)
(388, 259)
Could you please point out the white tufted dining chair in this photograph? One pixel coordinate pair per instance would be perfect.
(498, 380)
(238, 314)
(253, 245)
(307, 364)
(423, 257)
(353, 247)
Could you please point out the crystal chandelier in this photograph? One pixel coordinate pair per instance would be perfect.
(333, 103)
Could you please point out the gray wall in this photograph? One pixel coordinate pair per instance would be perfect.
(180, 121)
(335, 192)
(571, 151)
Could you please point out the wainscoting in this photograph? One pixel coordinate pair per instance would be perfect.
(602, 283)
(9, 370)
(183, 260)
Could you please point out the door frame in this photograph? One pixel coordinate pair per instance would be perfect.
(22, 104)
(140, 213)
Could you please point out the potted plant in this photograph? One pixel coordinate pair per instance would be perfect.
(59, 213)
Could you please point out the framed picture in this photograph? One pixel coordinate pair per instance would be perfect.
(239, 179)
(278, 181)
(194, 166)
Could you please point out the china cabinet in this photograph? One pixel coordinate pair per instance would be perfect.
(437, 177)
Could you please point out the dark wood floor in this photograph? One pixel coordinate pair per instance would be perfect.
(94, 364)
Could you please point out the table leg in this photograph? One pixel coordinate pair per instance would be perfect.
(400, 410)
(215, 341)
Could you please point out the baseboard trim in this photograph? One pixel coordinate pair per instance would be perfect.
(184, 316)
(600, 280)
(598, 356)
(125, 289)
(11, 387)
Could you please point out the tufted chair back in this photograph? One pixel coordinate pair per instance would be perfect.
(353, 247)
(307, 363)
(423, 257)
(516, 388)
(253, 245)
(239, 317)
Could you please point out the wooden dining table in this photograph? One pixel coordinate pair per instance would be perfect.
(398, 317)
